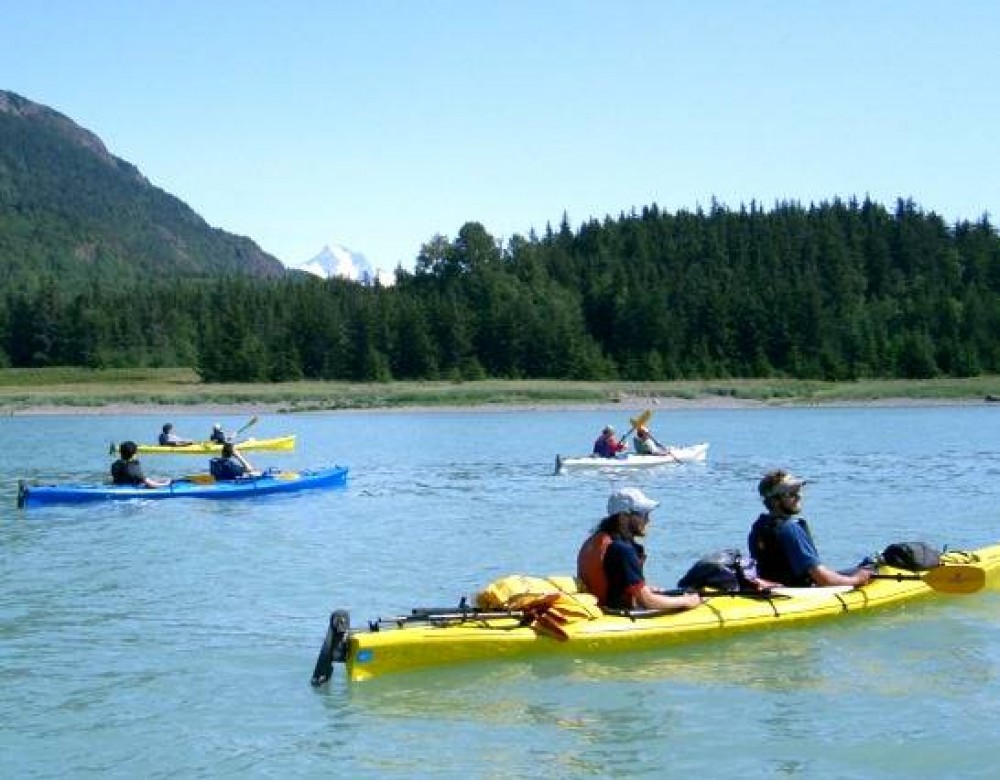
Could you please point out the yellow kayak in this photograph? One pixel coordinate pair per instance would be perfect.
(280, 443)
(563, 621)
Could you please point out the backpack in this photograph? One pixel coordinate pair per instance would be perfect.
(723, 570)
(912, 556)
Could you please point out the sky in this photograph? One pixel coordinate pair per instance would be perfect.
(378, 125)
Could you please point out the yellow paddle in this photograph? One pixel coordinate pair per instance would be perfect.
(956, 579)
(637, 422)
(198, 479)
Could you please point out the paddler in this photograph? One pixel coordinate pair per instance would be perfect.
(646, 444)
(782, 547)
(610, 563)
(128, 471)
(168, 438)
(218, 435)
(606, 445)
(231, 465)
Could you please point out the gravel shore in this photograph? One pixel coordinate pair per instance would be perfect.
(665, 403)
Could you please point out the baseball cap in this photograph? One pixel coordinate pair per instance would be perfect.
(630, 500)
(789, 483)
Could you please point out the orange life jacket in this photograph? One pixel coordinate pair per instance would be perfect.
(590, 565)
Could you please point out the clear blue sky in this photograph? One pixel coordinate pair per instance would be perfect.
(380, 124)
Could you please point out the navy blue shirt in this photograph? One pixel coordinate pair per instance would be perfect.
(226, 468)
(623, 564)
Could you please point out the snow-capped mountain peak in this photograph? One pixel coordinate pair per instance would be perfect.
(335, 260)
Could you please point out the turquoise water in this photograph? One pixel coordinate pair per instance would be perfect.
(176, 639)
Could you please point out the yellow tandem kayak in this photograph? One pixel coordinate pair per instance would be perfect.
(566, 622)
(279, 443)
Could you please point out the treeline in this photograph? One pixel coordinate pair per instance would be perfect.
(841, 290)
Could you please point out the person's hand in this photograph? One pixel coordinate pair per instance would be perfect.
(863, 576)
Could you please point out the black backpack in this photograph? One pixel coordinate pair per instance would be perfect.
(723, 570)
(912, 556)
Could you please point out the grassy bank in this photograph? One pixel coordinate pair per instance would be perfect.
(24, 389)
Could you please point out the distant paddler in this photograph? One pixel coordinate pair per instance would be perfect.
(606, 445)
(646, 444)
(168, 438)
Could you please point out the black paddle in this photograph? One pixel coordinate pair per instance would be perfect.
(334, 647)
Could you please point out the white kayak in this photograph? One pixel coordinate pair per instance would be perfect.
(691, 454)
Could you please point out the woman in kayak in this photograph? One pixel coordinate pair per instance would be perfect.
(128, 471)
(607, 446)
(231, 465)
(783, 548)
(610, 563)
(168, 438)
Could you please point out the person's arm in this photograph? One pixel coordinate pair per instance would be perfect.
(622, 563)
(822, 575)
(156, 483)
(647, 599)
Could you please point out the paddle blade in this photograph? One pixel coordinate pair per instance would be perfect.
(334, 647)
(249, 424)
(640, 420)
(956, 579)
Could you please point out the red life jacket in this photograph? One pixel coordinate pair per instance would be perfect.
(590, 565)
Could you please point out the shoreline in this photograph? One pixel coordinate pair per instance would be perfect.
(707, 402)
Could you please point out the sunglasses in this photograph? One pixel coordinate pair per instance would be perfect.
(781, 491)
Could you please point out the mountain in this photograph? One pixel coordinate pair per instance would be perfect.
(336, 261)
(71, 210)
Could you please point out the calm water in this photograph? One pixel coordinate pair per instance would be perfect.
(177, 639)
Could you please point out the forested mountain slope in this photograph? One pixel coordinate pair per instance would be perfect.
(72, 210)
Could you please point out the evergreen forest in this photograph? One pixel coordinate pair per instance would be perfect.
(841, 290)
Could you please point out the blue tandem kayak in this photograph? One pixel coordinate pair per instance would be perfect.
(199, 486)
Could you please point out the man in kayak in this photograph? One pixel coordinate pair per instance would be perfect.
(607, 446)
(128, 471)
(783, 548)
(168, 438)
(646, 444)
(231, 465)
(610, 563)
